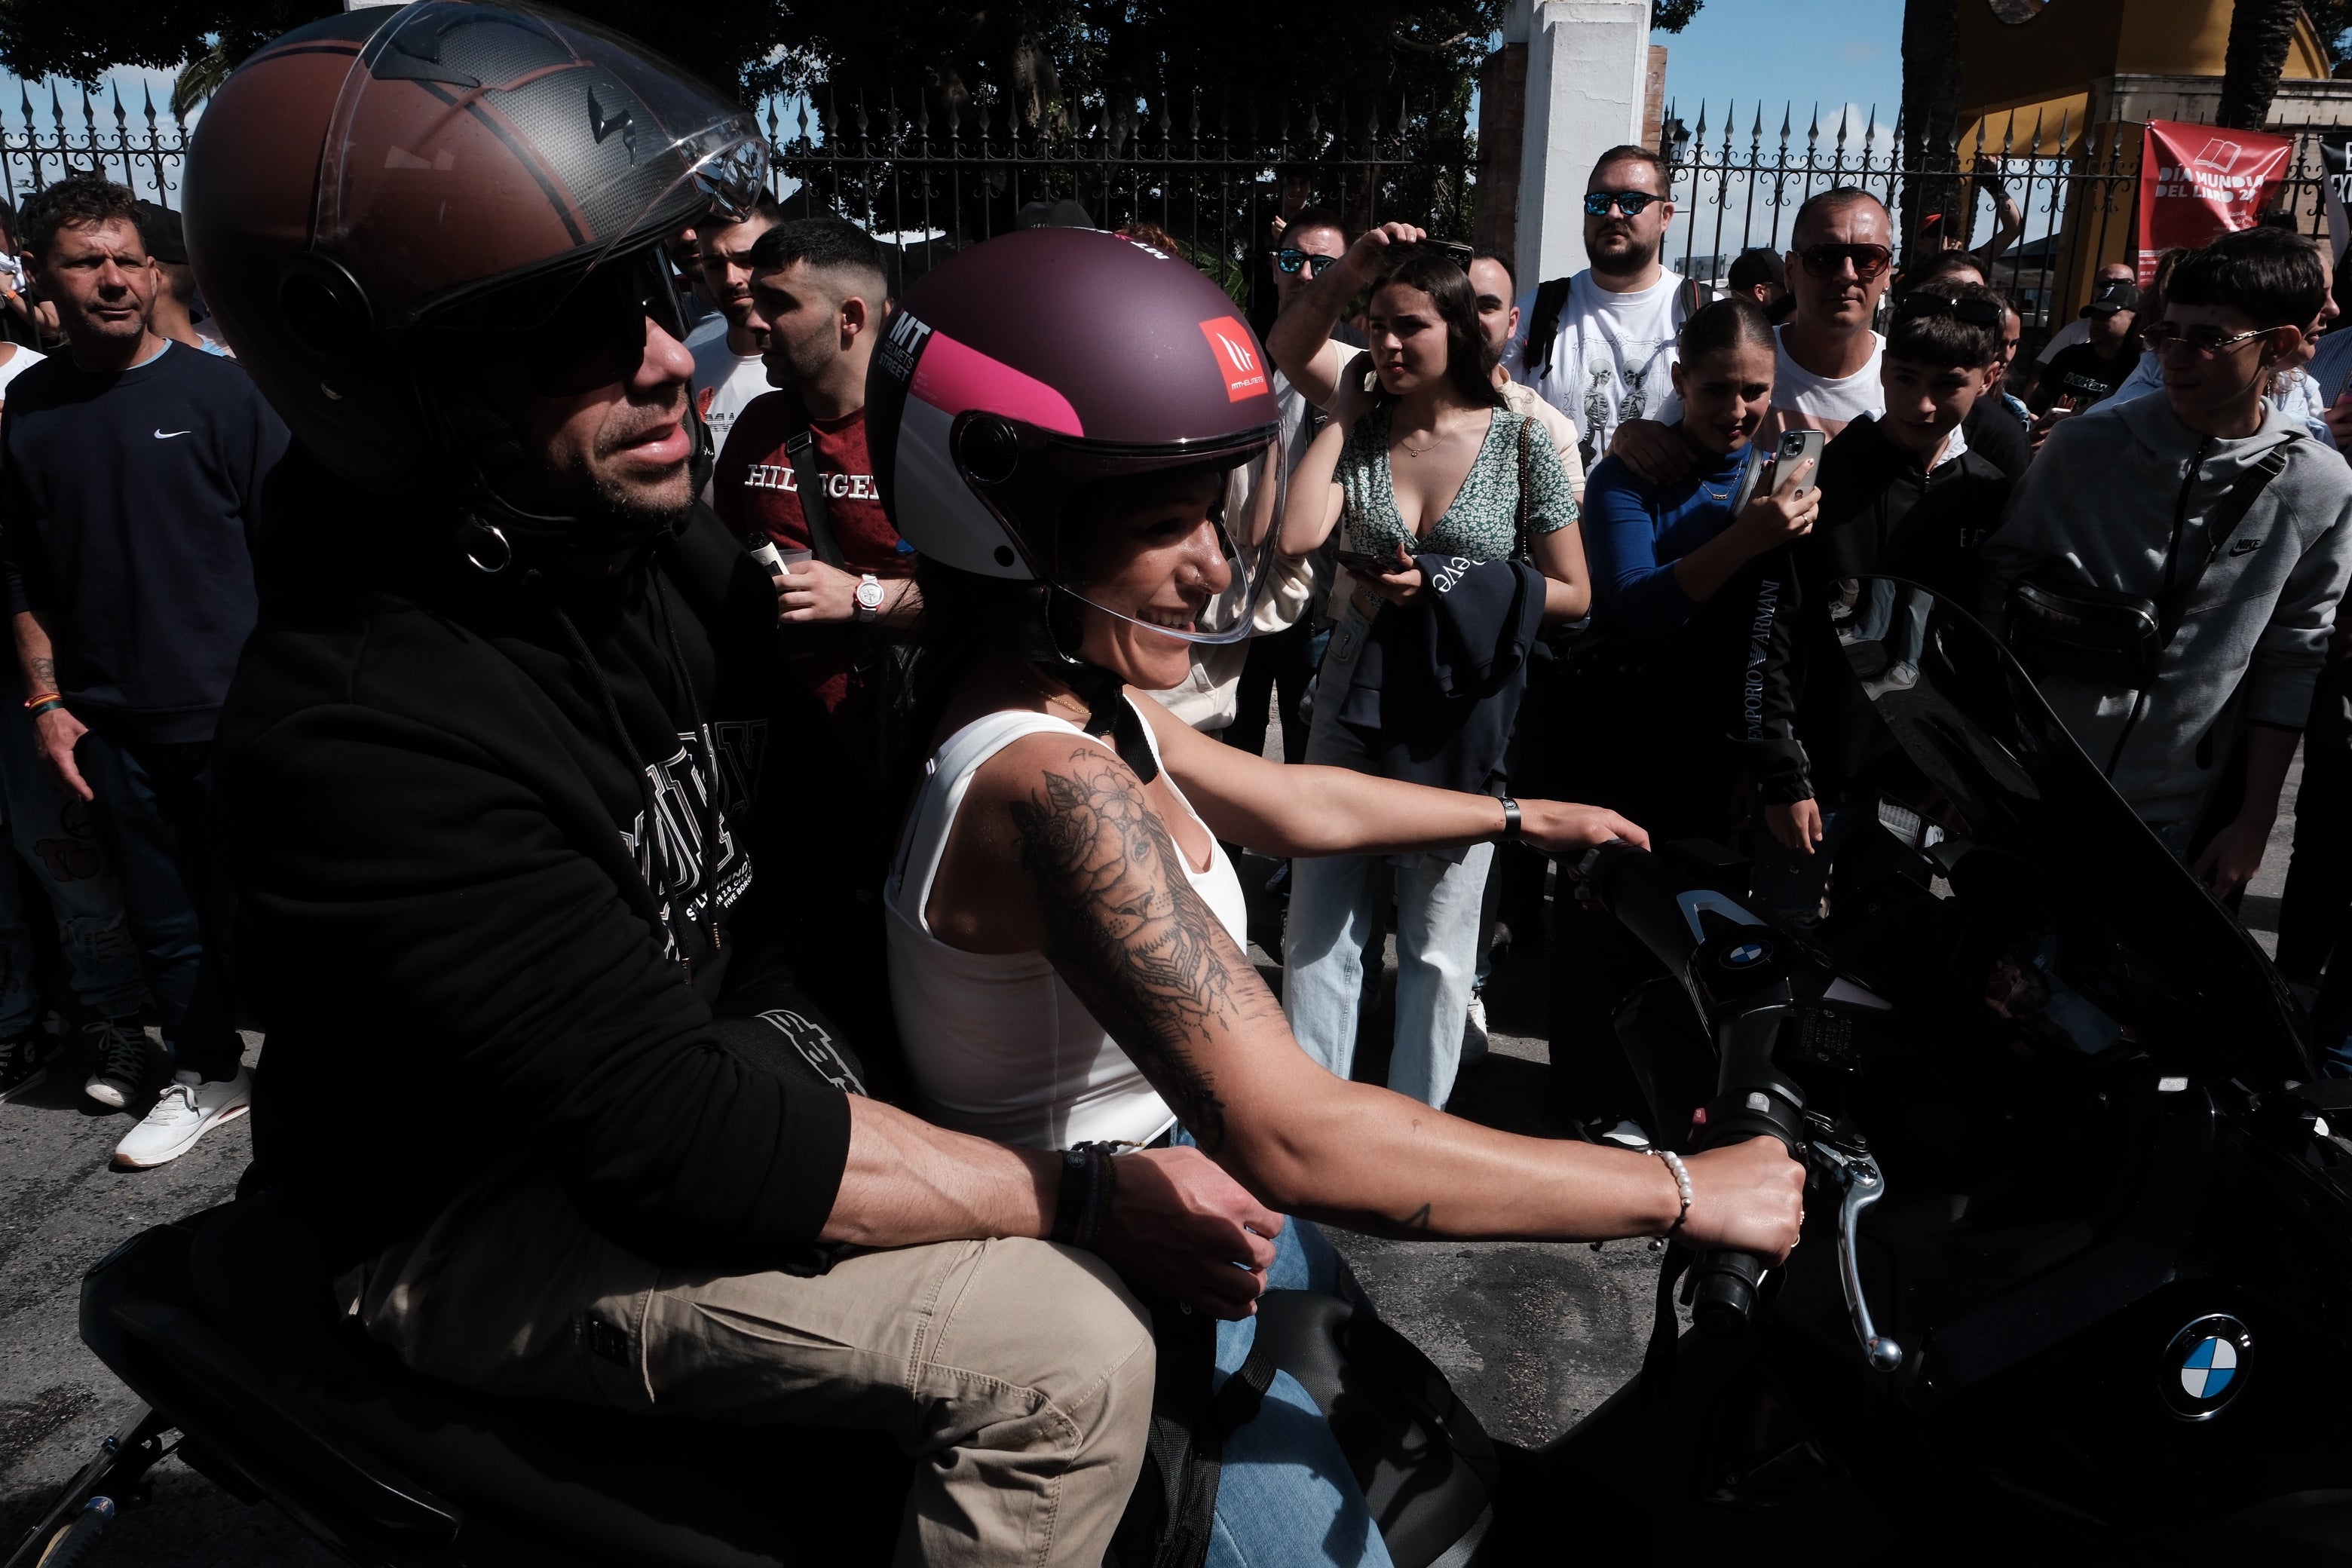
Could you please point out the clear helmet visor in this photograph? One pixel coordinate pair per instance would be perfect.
(483, 142)
(1179, 540)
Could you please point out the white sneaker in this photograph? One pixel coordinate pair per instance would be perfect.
(188, 1110)
(123, 1053)
(1474, 1033)
(1625, 1134)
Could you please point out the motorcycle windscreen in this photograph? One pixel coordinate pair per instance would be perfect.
(1995, 767)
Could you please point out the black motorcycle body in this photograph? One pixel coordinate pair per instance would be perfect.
(2073, 1284)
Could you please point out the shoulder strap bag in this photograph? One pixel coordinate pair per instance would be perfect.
(801, 447)
(2056, 625)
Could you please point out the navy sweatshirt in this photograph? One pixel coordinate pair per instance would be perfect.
(126, 505)
(1635, 533)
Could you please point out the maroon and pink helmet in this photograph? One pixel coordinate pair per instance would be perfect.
(1040, 361)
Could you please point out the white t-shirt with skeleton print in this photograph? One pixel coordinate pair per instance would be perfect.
(1612, 359)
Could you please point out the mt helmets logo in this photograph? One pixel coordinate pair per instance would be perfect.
(2204, 1367)
(1237, 357)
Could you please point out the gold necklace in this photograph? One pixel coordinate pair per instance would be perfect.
(1411, 450)
(1021, 675)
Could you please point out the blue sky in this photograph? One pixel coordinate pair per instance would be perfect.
(1829, 52)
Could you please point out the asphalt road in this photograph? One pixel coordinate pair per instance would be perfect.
(1533, 1336)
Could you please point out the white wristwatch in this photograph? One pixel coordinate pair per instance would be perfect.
(869, 596)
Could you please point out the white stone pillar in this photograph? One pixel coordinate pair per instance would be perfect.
(1588, 64)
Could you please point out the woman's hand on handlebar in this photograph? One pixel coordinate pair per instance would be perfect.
(1745, 1197)
(1556, 826)
(1181, 1229)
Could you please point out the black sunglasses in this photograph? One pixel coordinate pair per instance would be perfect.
(1633, 204)
(1824, 261)
(596, 336)
(1971, 312)
(1288, 261)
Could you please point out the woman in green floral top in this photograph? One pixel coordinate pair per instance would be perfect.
(1425, 458)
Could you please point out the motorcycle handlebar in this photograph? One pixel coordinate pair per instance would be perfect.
(1724, 1283)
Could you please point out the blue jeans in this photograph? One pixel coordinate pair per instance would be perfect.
(1286, 1497)
(55, 835)
(151, 799)
(1334, 901)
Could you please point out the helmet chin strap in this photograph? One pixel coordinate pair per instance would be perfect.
(1104, 691)
(495, 531)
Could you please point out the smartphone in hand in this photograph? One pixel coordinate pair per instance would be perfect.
(1797, 446)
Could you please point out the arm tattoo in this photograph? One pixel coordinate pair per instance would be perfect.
(1126, 929)
(45, 674)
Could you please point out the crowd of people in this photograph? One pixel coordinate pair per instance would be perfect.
(790, 796)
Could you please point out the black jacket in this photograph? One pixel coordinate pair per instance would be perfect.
(477, 932)
(1809, 729)
(1436, 690)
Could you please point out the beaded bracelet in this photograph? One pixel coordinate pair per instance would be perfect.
(1681, 1185)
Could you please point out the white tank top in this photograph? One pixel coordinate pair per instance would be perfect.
(1000, 1047)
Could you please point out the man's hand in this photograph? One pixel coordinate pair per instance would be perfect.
(1556, 826)
(1655, 454)
(1747, 1197)
(1798, 825)
(1363, 257)
(1183, 1229)
(813, 591)
(56, 733)
(2050, 418)
(2338, 420)
(2230, 861)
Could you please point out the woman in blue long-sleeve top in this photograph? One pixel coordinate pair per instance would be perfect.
(1651, 708)
(1674, 572)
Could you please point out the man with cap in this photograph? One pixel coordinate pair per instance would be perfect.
(2090, 372)
(1758, 273)
(172, 316)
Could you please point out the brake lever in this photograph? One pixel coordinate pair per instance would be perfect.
(1863, 1184)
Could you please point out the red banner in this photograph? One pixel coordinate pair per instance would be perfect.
(2196, 183)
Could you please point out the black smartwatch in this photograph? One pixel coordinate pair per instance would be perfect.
(1510, 818)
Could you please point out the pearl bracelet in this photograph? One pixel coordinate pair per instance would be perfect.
(1681, 1185)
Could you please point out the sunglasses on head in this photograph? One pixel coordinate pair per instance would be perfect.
(1971, 312)
(1289, 261)
(1824, 260)
(1633, 204)
(2202, 341)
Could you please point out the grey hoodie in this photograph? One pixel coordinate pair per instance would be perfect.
(2110, 492)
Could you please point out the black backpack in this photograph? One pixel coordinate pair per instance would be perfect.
(1551, 297)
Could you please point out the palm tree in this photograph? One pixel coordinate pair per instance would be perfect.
(1931, 114)
(2261, 33)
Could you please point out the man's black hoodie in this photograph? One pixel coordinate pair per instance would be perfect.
(478, 933)
(1809, 729)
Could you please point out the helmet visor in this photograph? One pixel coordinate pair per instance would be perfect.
(1178, 540)
(473, 135)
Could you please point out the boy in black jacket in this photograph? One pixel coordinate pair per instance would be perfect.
(1901, 496)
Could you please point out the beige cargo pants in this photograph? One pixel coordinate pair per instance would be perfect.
(1018, 1372)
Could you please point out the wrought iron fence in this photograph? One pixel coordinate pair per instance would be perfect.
(930, 172)
(2048, 202)
(148, 161)
(930, 175)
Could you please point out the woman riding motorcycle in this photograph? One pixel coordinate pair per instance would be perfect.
(1080, 438)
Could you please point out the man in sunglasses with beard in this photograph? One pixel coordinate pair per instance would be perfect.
(550, 874)
(1600, 346)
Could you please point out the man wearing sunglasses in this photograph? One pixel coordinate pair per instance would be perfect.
(1600, 346)
(1826, 370)
(2223, 510)
(2090, 372)
(551, 871)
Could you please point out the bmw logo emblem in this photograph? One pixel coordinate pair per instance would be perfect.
(2205, 1366)
(1747, 954)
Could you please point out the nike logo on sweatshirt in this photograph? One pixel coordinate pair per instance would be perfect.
(167, 435)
